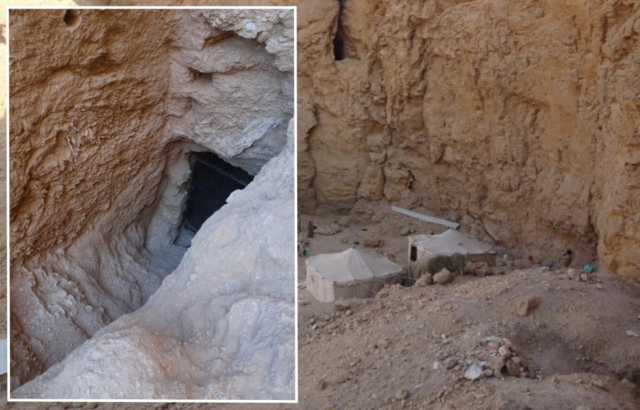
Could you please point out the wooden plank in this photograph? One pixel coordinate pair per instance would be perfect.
(425, 218)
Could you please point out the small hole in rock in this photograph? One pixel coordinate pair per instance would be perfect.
(71, 18)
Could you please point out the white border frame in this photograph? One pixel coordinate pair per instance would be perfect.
(295, 161)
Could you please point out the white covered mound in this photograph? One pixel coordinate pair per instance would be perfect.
(348, 274)
(221, 326)
(450, 242)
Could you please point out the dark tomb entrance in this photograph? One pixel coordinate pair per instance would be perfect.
(212, 181)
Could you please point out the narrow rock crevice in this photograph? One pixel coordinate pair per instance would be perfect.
(338, 40)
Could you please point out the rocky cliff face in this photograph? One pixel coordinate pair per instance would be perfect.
(520, 119)
(3, 137)
(106, 105)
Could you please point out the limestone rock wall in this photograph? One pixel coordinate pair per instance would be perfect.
(3, 145)
(520, 119)
(517, 118)
(105, 105)
(79, 97)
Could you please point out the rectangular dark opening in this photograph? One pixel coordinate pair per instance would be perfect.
(414, 253)
(212, 181)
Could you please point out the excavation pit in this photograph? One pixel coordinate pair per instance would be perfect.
(139, 239)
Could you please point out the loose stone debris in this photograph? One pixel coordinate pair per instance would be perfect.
(464, 336)
(474, 372)
(526, 305)
(402, 394)
(424, 280)
(499, 358)
(443, 277)
(371, 242)
(328, 230)
(573, 273)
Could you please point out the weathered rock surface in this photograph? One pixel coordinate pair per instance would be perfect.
(105, 108)
(521, 111)
(223, 311)
(3, 145)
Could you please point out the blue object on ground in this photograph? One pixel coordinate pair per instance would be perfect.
(588, 268)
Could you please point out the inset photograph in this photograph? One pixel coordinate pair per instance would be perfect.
(152, 204)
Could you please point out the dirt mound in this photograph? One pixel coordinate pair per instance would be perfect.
(573, 346)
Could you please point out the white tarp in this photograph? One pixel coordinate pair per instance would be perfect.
(348, 274)
(448, 243)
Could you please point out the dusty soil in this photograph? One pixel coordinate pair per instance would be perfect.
(574, 345)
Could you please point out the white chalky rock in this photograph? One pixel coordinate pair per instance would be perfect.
(474, 372)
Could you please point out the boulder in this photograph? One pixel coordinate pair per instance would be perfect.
(526, 305)
(443, 277)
